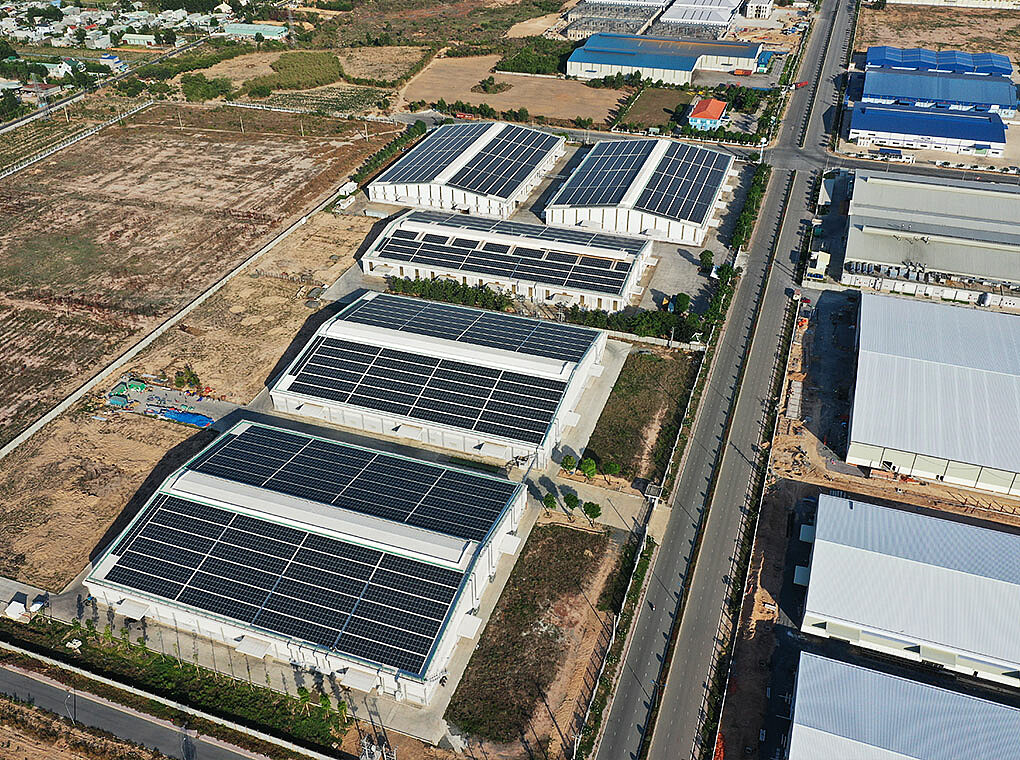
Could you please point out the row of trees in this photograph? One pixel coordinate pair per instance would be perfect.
(449, 291)
(744, 225)
(391, 148)
(592, 510)
(649, 324)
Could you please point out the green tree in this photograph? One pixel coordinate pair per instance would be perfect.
(259, 39)
(568, 463)
(588, 467)
(610, 470)
(592, 511)
(549, 501)
(571, 501)
(707, 259)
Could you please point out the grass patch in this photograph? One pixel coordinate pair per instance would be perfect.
(648, 394)
(520, 650)
(300, 71)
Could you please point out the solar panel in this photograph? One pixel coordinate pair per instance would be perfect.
(357, 601)
(433, 154)
(536, 232)
(685, 183)
(416, 493)
(505, 162)
(474, 326)
(468, 396)
(605, 174)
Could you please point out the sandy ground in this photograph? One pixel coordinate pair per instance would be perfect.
(27, 733)
(770, 32)
(536, 26)
(236, 339)
(453, 78)
(99, 252)
(379, 62)
(973, 30)
(239, 70)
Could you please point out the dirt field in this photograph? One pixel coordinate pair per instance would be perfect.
(656, 106)
(973, 30)
(239, 70)
(386, 63)
(98, 252)
(453, 78)
(30, 733)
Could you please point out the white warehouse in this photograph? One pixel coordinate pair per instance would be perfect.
(479, 167)
(937, 394)
(917, 587)
(551, 265)
(474, 381)
(353, 562)
(657, 188)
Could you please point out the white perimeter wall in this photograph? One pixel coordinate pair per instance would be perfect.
(629, 221)
(599, 70)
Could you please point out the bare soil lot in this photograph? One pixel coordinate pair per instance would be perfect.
(973, 30)
(386, 63)
(96, 253)
(657, 106)
(239, 70)
(453, 78)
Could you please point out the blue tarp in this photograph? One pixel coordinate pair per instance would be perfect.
(932, 87)
(954, 61)
(189, 418)
(910, 120)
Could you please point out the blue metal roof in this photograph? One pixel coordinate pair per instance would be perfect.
(935, 87)
(911, 120)
(639, 51)
(954, 61)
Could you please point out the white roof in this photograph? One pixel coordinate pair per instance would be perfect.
(847, 712)
(938, 380)
(917, 578)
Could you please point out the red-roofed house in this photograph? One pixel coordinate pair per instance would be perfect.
(707, 114)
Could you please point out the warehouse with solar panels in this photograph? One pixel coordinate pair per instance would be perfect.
(658, 188)
(480, 167)
(350, 561)
(937, 393)
(453, 377)
(550, 265)
(845, 711)
(922, 588)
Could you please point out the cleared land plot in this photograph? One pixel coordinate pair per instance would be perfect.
(99, 252)
(453, 78)
(29, 732)
(639, 422)
(239, 70)
(973, 30)
(534, 656)
(657, 106)
(383, 63)
(62, 490)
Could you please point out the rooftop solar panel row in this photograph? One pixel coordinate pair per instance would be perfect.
(355, 600)
(505, 162)
(685, 183)
(605, 174)
(416, 493)
(481, 328)
(483, 399)
(428, 159)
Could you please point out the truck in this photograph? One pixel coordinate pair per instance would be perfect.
(798, 85)
(742, 72)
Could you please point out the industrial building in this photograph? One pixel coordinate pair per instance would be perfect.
(551, 265)
(453, 377)
(705, 19)
(965, 133)
(349, 561)
(843, 711)
(659, 188)
(588, 18)
(939, 89)
(917, 587)
(669, 60)
(936, 237)
(937, 393)
(951, 61)
(479, 167)
(275, 32)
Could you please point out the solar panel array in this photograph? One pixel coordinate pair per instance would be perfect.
(407, 491)
(433, 154)
(685, 183)
(505, 162)
(480, 328)
(536, 232)
(467, 396)
(357, 601)
(605, 174)
(508, 262)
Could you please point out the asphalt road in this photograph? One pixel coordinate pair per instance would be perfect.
(89, 711)
(809, 116)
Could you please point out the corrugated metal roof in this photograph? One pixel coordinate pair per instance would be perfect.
(919, 578)
(938, 380)
(847, 712)
(925, 86)
(912, 120)
(656, 52)
(944, 60)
